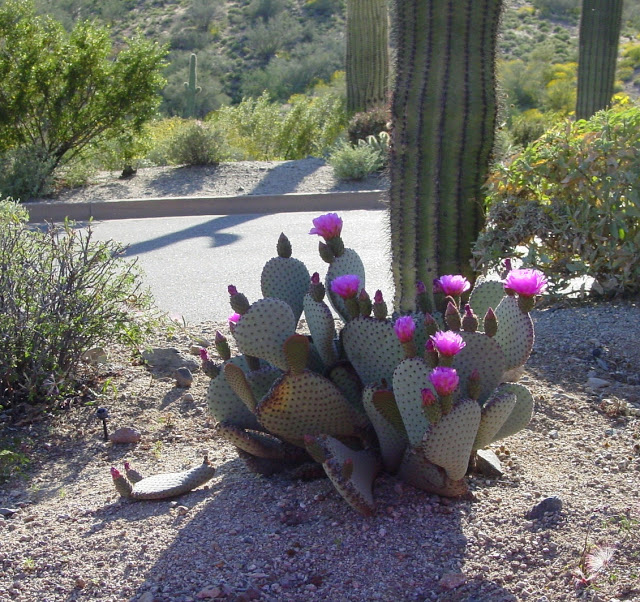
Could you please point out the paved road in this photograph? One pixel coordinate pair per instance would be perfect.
(189, 261)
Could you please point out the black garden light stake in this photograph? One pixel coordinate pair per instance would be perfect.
(103, 414)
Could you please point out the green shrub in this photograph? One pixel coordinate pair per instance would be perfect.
(368, 123)
(258, 129)
(26, 172)
(351, 162)
(572, 198)
(197, 144)
(61, 293)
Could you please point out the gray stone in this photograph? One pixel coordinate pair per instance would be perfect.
(488, 464)
(183, 377)
(168, 360)
(95, 356)
(125, 435)
(549, 504)
(8, 512)
(597, 383)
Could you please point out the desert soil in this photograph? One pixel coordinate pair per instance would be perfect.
(244, 537)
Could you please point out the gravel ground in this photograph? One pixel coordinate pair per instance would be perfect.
(245, 537)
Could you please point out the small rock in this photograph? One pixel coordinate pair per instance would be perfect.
(488, 464)
(80, 583)
(597, 383)
(195, 350)
(95, 356)
(183, 376)
(182, 510)
(146, 597)
(125, 434)
(8, 512)
(450, 581)
(549, 504)
(209, 592)
(188, 397)
(168, 359)
(553, 434)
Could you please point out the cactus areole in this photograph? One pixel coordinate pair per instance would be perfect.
(444, 114)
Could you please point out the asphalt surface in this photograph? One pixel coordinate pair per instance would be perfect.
(188, 262)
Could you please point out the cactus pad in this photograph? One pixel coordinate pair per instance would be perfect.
(322, 328)
(494, 414)
(522, 412)
(419, 472)
(409, 378)
(351, 471)
(348, 263)
(383, 412)
(257, 444)
(262, 331)
(485, 294)
(449, 442)
(286, 278)
(372, 348)
(171, 484)
(241, 387)
(483, 354)
(307, 404)
(515, 332)
(347, 380)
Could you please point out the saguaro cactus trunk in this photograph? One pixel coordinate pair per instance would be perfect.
(600, 24)
(444, 113)
(367, 63)
(191, 87)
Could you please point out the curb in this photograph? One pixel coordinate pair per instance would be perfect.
(185, 206)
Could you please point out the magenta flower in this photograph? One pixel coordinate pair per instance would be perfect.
(115, 473)
(404, 328)
(234, 318)
(315, 278)
(420, 287)
(204, 354)
(232, 290)
(328, 226)
(445, 380)
(447, 342)
(346, 286)
(526, 283)
(451, 285)
(428, 398)
(377, 298)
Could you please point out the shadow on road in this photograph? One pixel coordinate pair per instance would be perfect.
(211, 229)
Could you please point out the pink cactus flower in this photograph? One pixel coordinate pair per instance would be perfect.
(526, 283)
(234, 318)
(377, 298)
(232, 290)
(328, 226)
(315, 278)
(420, 287)
(428, 398)
(445, 380)
(452, 285)
(204, 354)
(447, 342)
(405, 328)
(429, 345)
(346, 286)
(115, 473)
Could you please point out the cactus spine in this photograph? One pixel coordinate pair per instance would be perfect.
(600, 24)
(367, 61)
(192, 87)
(444, 113)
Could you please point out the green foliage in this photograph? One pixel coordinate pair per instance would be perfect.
(11, 462)
(558, 8)
(25, 172)
(197, 144)
(61, 293)
(572, 199)
(259, 129)
(369, 123)
(351, 162)
(60, 92)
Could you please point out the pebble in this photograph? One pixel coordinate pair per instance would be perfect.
(553, 434)
(8, 512)
(209, 592)
(597, 383)
(188, 397)
(488, 464)
(182, 510)
(549, 504)
(183, 377)
(125, 434)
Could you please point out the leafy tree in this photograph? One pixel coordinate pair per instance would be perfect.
(60, 92)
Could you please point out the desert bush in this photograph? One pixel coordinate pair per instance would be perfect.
(61, 293)
(197, 144)
(25, 172)
(572, 200)
(558, 8)
(354, 162)
(258, 129)
(368, 123)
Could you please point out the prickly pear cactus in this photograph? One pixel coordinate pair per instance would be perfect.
(417, 394)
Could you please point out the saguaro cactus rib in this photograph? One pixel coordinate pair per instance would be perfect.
(444, 111)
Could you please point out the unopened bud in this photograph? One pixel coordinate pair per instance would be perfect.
(431, 326)
(490, 323)
(222, 346)
(469, 320)
(284, 246)
(379, 306)
(474, 385)
(364, 302)
(452, 317)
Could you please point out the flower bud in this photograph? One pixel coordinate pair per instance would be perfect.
(490, 323)
(239, 303)
(284, 246)
(316, 288)
(469, 320)
(379, 306)
(431, 354)
(474, 385)
(431, 326)
(222, 345)
(364, 302)
(452, 317)
(430, 406)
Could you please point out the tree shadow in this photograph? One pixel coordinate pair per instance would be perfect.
(209, 229)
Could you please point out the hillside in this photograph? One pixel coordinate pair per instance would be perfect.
(285, 46)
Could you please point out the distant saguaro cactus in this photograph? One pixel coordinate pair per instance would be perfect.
(443, 114)
(367, 61)
(192, 87)
(600, 24)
